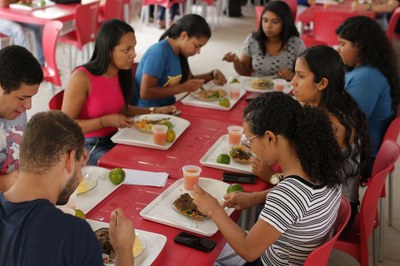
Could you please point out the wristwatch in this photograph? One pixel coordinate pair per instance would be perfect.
(151, 109)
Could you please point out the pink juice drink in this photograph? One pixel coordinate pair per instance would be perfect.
(279, 84)
(159, 134)
(191, 174)
(235, 135)
(234, 91)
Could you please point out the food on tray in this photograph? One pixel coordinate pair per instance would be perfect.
(240, 155)
(170, 137)
(224, 102)
(86, 185)
(145, 124)
(235, 80)
(107, 249)
(185, 206)
(117, 176)
(261, 83)
(234, 187)
(224, 158)
(210, 95)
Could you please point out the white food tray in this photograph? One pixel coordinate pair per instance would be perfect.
(154, 243)
(222, 146)
(133, 136)
(160, 209)
(193, 101)
(245, 81)
(90, 199)
(34, 5)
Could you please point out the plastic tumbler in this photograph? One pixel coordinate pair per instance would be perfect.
(235, 135)
(191, 174)
(279, 84)
(159, 134)
(234, 91)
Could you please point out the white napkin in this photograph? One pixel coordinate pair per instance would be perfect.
(145, 178)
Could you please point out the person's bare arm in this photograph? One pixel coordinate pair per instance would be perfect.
(122, 237)
(150, 90)
(76, 92)
(241, 64)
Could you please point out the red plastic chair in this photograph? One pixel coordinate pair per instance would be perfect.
(325, 24)
(55, 102)
(355, 242)
(50, 35)
(111, 9)
(86, 19)
(167, 4)
(390, 32)
(320, 255)
(259, 10)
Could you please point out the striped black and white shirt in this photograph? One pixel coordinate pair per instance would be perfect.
(304, 213)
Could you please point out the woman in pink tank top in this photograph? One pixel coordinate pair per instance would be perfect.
(99, 93)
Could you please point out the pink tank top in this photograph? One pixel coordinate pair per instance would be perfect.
(104, 98)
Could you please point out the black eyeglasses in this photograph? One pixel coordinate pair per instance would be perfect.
(247, 142)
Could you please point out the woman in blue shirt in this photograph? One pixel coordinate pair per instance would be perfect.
(372, 76)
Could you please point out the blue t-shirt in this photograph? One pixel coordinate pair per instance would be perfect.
(371, 90)
(37, 233)
(160, 62)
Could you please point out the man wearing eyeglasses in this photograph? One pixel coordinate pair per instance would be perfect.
(20, 78)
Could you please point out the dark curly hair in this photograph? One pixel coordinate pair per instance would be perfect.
(307, 128)
(282, 10)
(195, 26)
(325, 62)
(375, 49)
(18, 66)
(109, 36)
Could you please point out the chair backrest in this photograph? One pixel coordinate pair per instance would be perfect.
(311, 41)
(113, 9)
(55, 102)
(259, 10)
(390, 31)
(86, 21)
(393, 130)
(320, 255)
(326, 23)
(50, 35)
(385, 159)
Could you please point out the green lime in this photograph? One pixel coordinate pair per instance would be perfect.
(170, 136)
(80, 214)
(223, 158)
(43, 3)
(224, 102)
(234, 187)
(117, 176)
(169, 125)
(235, 80)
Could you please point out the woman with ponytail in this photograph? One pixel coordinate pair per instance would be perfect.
(280, 130)
(164, 70)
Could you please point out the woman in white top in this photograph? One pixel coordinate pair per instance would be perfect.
(273, 49)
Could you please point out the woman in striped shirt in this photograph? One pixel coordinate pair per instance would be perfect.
(300, 211)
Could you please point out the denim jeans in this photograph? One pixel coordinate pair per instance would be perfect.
(16, 31)
(97, 147)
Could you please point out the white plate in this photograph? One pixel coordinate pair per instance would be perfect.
(133, 136)
(191, 100)
(90, 199)
(34, 5)
(245, 80)
(154, 243)
(222, 146)
(160, 209)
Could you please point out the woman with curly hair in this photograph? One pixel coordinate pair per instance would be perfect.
(273, 49)
(372, 78)
(280, 130)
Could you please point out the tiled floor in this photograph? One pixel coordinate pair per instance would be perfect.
(228, 37)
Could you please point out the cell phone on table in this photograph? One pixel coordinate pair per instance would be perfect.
(239, 178)
(196, 242)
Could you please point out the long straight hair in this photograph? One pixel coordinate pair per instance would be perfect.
(195, 26)
(108, 37)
